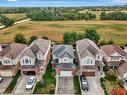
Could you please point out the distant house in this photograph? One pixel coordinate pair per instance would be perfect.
(89, 56)
(63, 60)
(114, 55)
(9, 58)
(36, 57)
(125, 48)
(123, 70)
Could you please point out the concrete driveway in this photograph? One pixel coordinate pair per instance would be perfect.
(94, 87)
(21, 87)
(4, 84)
(65, 85)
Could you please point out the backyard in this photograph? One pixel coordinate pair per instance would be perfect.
(49, 82)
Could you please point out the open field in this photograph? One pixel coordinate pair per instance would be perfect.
(116, 30)
(16, 16)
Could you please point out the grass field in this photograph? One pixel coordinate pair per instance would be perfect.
(16, 16)
(116, 30)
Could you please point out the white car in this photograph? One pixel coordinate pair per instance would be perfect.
(1, 79)
(31, 82)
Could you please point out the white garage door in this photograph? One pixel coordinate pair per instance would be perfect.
(65, 73)
(5, 73)
(125, 75)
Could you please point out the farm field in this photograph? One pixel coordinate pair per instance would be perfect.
(16, 16)
(116, 30)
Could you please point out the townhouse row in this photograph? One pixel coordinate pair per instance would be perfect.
(33, 59)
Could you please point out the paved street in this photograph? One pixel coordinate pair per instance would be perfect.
(21, 88)
(65, 85)
(94, 87)
(4, 84)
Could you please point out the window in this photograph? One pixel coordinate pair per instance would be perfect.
(88, 61)
(7, 61)
(115, 58)
(98, 57)
(39, 56)
(27, 61)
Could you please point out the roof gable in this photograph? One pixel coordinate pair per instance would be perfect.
(63, 50)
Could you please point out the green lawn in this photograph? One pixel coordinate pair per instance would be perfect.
(12, 83)
(77, 85)
(50, 82)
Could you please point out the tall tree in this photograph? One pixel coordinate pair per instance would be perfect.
(6, 21)
(20, 38)
(92, 34)
(32, 38)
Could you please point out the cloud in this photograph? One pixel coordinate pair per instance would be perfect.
(12, 0)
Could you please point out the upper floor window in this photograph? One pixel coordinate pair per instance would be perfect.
(27, 61)
(39, 56)
(7, 61)
(115, 58)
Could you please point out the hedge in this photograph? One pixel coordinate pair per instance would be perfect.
(13, 83)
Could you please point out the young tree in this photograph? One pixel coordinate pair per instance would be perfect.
(92, 34)
(32, 38)
(44, 37)
(102, 42)
(110, 41)
(20, 38)
(6, 21)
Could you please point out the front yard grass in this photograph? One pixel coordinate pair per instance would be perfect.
(49, 80)
(12, 83)
(77, 85)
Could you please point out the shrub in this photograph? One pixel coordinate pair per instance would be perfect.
(20, 38)
(45, 38)
(103, 85)
(106, 68)
(32, 38)
(110, 41)
(120, 83)
(111, 75)
(102, 42)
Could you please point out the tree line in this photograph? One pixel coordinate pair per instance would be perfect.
(55, 15)
(113, 16)
(70, 37)
(6, 21)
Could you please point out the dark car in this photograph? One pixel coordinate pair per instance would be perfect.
(126, 80)
(84, 83)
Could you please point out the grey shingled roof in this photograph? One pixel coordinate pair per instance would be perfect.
(63, 50)
(66, 66)
(87, 47)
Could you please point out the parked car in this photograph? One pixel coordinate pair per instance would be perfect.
(1, 79)
(126, 80)
(84, 83)
(31, 82)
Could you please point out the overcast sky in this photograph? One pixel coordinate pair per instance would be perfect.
(59, 3)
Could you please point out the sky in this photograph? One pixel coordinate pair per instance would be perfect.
(59, 3)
